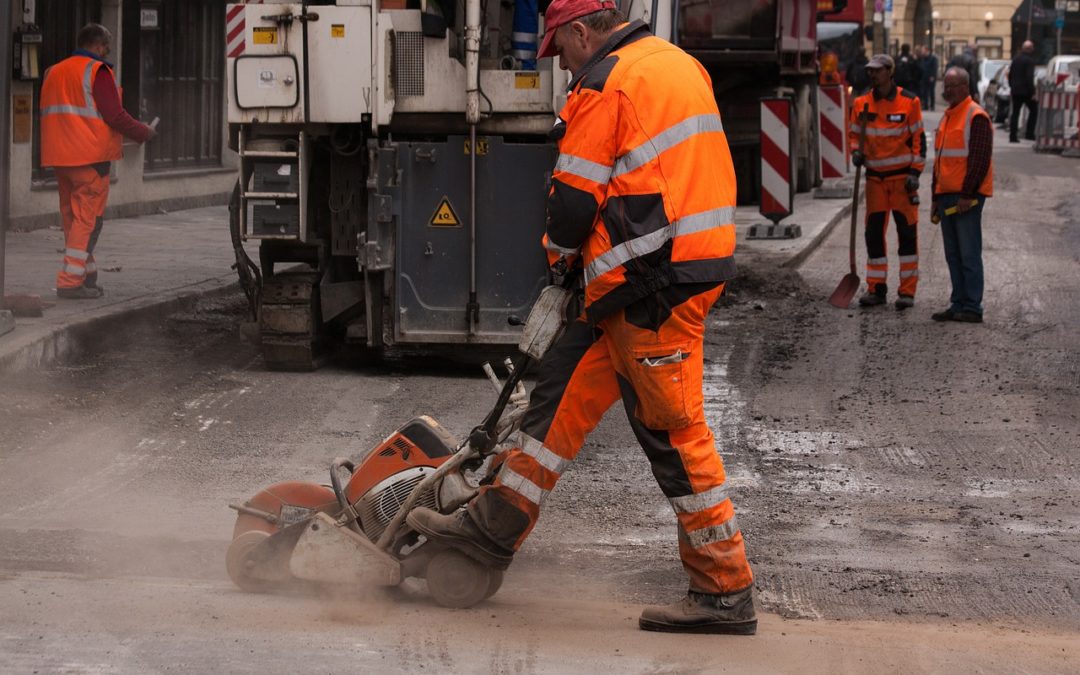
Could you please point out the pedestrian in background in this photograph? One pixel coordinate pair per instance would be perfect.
(644, 192)
(856, 74)
(928, 68)
(894, 156)
(82, 121)
(963, 179)
(968, 61)
(1022, 91)
(907, 74)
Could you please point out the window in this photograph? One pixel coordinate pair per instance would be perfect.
(989, 48)
(181, 69)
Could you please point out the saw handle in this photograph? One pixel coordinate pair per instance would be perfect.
(335, 481)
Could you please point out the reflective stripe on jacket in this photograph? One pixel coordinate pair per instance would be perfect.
(895, 138)
(73, 132)
(644, 186)
(951, 143)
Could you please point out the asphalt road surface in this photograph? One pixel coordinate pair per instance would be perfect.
(908, 489)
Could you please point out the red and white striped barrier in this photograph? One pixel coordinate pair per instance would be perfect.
(777, 193)
(777, 188)
(832, 141)
(1058, 124)
(236, 28)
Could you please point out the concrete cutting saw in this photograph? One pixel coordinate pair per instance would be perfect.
(353, 530)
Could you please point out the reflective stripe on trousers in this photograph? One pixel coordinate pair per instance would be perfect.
(83, 195)
(885, 198)
(578, 380)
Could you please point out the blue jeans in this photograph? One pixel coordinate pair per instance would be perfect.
(962, 235)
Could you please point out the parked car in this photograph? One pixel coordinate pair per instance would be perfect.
(1063, 70)
(988, 68)
(997, 98)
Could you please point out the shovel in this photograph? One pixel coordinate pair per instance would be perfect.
(849, 285)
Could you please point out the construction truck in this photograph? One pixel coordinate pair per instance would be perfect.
(395, 162)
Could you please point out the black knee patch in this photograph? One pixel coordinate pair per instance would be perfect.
(500, 520)
(875, 234)
(907, 234)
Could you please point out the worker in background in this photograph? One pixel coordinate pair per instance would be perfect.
(963, 179)
(894, 157)
(643, 195)
(82, 121)
(523, 40)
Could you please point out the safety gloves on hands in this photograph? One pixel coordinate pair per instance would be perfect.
(857, 157)
(911, 184)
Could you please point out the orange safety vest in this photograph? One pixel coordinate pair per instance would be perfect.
(644, 186)
(73, 132)
(951, 149)
(895, 140)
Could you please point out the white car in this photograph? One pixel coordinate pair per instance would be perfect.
(988, 68)
(1061, 71)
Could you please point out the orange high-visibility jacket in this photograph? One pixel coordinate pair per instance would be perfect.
(951, 149)
(644, 187)
(73, 133)
(895, 139)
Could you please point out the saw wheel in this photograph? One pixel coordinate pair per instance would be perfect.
(456, 580)
(240, 564)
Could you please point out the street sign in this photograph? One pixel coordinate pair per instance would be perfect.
(1059, 22)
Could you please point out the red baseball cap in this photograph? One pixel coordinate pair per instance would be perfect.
(561, 12)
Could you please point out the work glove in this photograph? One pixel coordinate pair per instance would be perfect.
(857, 157)
(520, 397)
(911, 184)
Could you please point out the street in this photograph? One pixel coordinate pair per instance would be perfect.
(909, 490)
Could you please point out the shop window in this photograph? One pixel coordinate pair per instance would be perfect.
(181, 64)
(989, 48)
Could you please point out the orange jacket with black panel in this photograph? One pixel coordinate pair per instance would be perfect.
(644, 187)
(895, 138)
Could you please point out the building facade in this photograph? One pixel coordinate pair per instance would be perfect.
(946, 25)
(169, 57)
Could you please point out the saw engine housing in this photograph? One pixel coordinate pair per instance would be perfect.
(390, 472)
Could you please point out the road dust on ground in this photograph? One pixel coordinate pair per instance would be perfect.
(908, 490)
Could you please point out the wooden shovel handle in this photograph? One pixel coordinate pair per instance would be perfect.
(858, 181)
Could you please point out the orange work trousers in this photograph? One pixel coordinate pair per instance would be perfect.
(657, 372)
(83, 194)
(883, 196)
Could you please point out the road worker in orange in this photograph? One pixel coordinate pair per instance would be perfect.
(82, 121)
(963, 179)
(894, 157)
(643, 195)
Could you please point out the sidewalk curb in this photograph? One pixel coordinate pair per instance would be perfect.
(804, 253)
(45, 345)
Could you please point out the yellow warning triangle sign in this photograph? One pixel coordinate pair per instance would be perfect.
(444, 215)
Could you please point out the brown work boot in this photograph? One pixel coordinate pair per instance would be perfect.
(457, 530)
(730, 614)
(872, 299)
